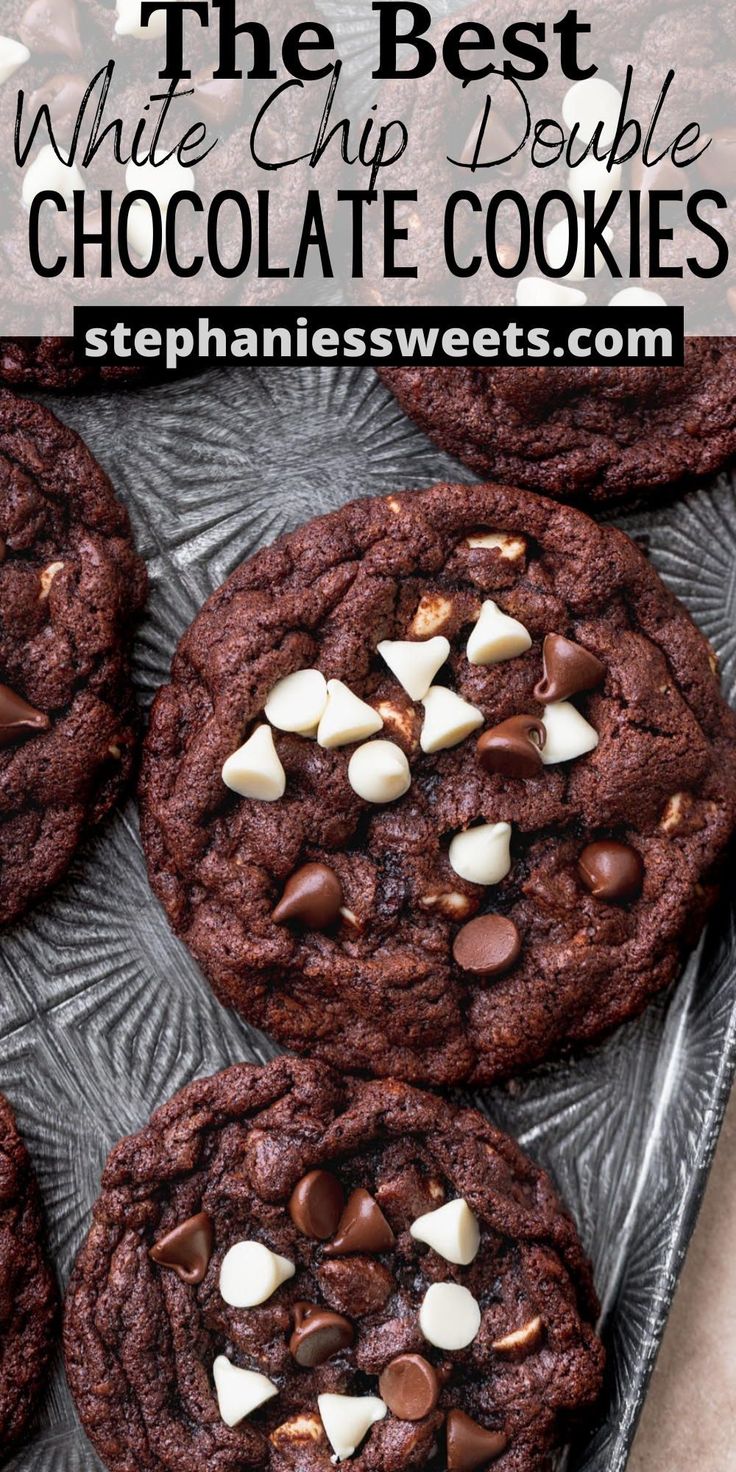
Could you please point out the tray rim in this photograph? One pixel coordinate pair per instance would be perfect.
(688, 1219)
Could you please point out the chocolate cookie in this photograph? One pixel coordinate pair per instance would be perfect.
(48, 362)
(70, 586)
(28, 1298)
(533, 689)
(287, 1266)
(573, 433)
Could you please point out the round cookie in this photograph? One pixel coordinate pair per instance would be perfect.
(375, 981)
(71, 585)
(258, 1287)
(595, 433)
(28, 1298)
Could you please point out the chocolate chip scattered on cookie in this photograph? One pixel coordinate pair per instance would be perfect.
(447, 864)
(448, 1314)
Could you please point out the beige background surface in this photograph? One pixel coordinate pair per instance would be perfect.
(689, 1419)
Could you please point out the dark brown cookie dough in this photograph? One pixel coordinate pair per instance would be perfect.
(573, 433)
(219, 1166)
(48, 362)
(71, 584)
(28, 1298)
(379, 988)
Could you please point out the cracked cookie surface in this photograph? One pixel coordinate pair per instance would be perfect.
(28, 1298)
(71, 585)
(228, 1163)
(383, 986)
(594, 434)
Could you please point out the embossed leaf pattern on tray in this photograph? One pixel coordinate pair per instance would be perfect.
(103, 1014)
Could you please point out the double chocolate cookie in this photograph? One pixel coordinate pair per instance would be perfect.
(440, 781)
(28, 1298)
(288, 1268)
(574, 433)
(71, 584)
(48, 362)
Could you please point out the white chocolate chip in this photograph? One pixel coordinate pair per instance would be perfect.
(556, 248)
(568, 734)
(452, 1231)
(239, 1392)
(432, 614)
(539, 291)
(254, 770)
(450, 903)
(399, 721)
(347, 1419)
(350, 918)
(306, 1427)
(591, 174)
(50, 172)
(482, 855)
(250, 1273)
(524, 1338)
(46, 578)
(346, 718)
(298, 702)
(415, 664)
(379, 772)
(449, 1316)
(140, 230)
(496, 636)
(161, 180)
(637, 296)
(13, 54)
(129, 21)
(393, 505)
(448, 719)
(590, 102)
(511, 548)
(677, 808)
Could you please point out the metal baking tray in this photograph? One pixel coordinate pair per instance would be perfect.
(103, 1014)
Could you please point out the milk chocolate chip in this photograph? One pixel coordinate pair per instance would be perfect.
(487, 946)
(316, 1204)
(410, 1387)
(18, 718)
(568, 669)
(362, 1227)
(52, 25)
(513, 748)
(63, 93)
(187, 1249)
(318, 1334)
(469, 1445)
(611, 870)
(312, 896)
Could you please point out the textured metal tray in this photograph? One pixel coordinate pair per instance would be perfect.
(103, 1014)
